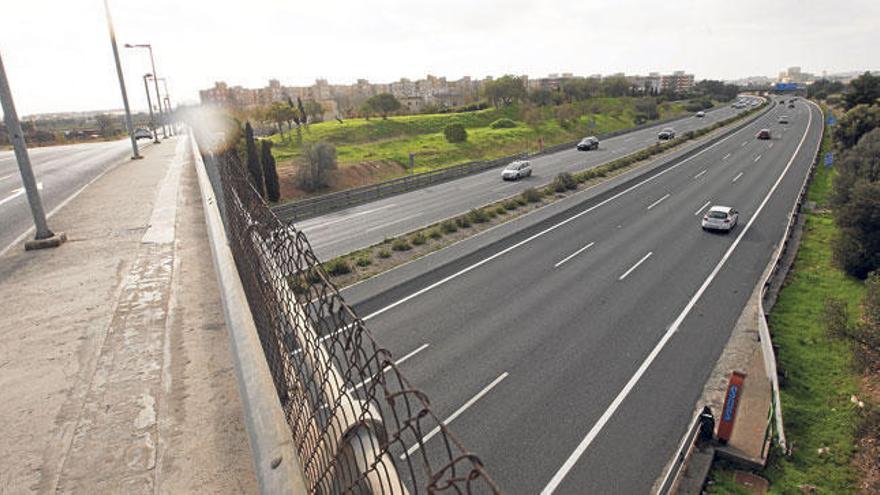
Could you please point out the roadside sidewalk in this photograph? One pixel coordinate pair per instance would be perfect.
(115, 368)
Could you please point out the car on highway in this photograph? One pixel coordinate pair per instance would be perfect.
(783, 119)
(667, 133)
(517, 170)
(700, 114)
(141, 133)
(791, 105)
(763, 134)
(720, 218)
(588, 143)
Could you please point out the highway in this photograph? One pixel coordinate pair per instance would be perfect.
(60, 171)
(570, 354)
(361, 226)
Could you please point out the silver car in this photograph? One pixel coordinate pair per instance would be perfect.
(517, 170)
(720, 218)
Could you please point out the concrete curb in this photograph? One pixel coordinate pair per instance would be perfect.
(276, 465)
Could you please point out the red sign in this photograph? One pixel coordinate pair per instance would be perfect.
(731, 401)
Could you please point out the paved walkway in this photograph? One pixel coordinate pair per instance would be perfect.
(114, 360)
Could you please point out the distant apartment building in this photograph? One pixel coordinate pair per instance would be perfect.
(677, 82)
(795, 75)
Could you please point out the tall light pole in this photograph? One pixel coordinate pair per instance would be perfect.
(155, 78)
(167, 101)
(134, 147)
(150, 105)
(44, 236)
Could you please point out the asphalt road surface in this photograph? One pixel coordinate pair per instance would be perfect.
(60, 171)
(361, 226)
(586, 339)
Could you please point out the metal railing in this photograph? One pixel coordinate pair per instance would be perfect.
(357, 425)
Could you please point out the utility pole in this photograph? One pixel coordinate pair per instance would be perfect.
(44, 237)
(150, 105)
(134, 147)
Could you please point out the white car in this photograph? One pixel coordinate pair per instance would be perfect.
(141, 133)
(720, 218)
(783, 119)
(701, 114)
(517, 170)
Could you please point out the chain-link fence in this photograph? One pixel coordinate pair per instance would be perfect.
(358, 426)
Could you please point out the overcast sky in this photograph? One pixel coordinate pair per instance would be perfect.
(58, 57)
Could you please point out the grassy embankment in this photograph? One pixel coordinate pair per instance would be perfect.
(819, 374)
(391, 141)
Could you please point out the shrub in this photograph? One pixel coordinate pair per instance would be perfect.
(337, 267)
(418, 239)
(449, 227)
(503, 123)
(384, 253)
(564, 182)
(455, 133)
(401, 245)
(363, 261)
(435, 233)
(511, 204)
(463, 221)
(320, 160)
(500, 210)
(520, 200)
(531, 195)
(490, 212)
(478, 216)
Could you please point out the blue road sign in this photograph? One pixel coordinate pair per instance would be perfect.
(786, 86)
(829, 159)
(831, 120)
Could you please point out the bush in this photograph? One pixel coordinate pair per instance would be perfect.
(511, 204)
(401, 245)
(490, 212)
(478, 216)
(435, 234)
(520, 200)
(384, 253)
(337, 267)
(320, 162)
(363, 261)
(503, 123)
(500, 210)
(531, 195)
(564, 182)
(418, 239)
(455, 133)
(463, 221)
(449, 227)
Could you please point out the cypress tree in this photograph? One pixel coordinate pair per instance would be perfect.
(270, 172)
(253, 161)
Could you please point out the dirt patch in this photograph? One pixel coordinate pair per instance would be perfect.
(865, 460)
(346, 177)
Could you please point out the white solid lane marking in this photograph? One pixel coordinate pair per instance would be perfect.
(626, 273)
(572, 255)
(726, 156)
(744, 143)
(455, 414)
(770, 145)
(701, 174)
(17, 193)
(702, 208)
(7, 176)
(737, 177)
(655, 203)
(757, 158)
(541, 233)
(396, 363)
(554, 482)
(392, 223)
(316, 225)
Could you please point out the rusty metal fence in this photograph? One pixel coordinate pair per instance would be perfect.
(358, 426)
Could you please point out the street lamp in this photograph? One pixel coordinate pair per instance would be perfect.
(155, 77)
(134, 147)
(150, 105)
(167, 102)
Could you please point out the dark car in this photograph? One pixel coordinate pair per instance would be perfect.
(668, 133)
(588, 143)
(763, 134)
(791, 105)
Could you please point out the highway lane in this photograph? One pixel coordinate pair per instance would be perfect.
(361, 226)
(571, 336)
(60, 172)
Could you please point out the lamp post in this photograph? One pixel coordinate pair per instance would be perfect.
(167, 102)
(155, 78)
(150, 105)
(134, 147)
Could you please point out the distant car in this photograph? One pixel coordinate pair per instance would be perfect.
(667, 133)
(517, 170)
(700, 114)
(783, 119)
(791, 105)
(763, 134)
(720, 218)
(141, 133)
(588, 143)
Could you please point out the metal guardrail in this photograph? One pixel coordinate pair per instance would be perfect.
(687, 445)
(327, 203)
(356, 424)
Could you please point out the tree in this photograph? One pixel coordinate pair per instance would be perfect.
(864, 89)
(105, 125)
(320, 162)
(717, 90)
(647, 109)
(270, 172)
(857, 122)
(383, 104)
(580, 89)
(277, 113)
(505, 90)
(615, 86)
(255, 170)
(542, 97)
(822, 88)
(314, 110)
(455, 133)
